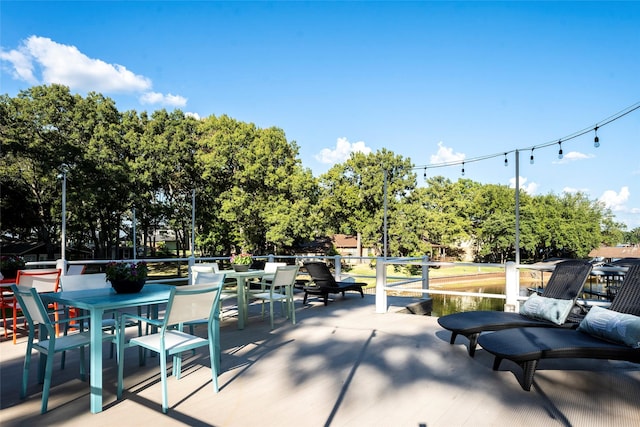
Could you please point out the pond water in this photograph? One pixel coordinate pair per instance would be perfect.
(447, 304)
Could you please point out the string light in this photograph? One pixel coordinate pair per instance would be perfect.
(425, 173)
(560, 156)
(596, 141)
(506, 162)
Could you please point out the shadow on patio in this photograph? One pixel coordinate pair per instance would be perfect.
(341, 365)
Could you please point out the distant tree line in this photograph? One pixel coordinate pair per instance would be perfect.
(252, 192)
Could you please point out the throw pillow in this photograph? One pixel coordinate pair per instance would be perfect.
(543, 308)
(612, 326)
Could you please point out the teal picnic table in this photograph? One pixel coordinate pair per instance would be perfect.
(97, 302)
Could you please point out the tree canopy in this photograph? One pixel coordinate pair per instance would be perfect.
(251, 190)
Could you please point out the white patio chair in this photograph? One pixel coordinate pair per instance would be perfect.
(186, 304)
(281, 289)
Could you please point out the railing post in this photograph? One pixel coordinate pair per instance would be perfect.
(61, 265)
(337, 264)
(425, 273)
(512, 290)
(381, 280)
(191, 262)
(270, 258)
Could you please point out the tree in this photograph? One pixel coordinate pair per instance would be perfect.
(352, 195)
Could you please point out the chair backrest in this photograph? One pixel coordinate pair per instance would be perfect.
(207, 277)
(257, 264)
(285, 276)
(271, 267)
(568, 279)
(627, 299)
(84, 281)
(42, 280)
(202, 268)
(75, 269)
(32, 307)
(320, 274)
(191, 303)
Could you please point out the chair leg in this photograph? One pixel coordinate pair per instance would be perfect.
(25, 370)
(473, 343)
(214, 357)
(271, 312)
(47, 376)
(163, 380)
(15, 320)
(529, 371)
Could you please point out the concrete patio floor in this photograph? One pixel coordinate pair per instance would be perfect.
(340, 365)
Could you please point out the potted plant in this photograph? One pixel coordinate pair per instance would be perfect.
(127, 277)
(10, 264)
(241, 262)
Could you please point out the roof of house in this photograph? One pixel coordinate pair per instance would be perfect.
(344, 241)
(616, 252)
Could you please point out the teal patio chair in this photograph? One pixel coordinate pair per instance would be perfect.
(186, 304)
(48, 344)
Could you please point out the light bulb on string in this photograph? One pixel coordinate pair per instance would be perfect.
(462, 168)
(531, 158)
(506, 162)
(425, 174)
(560, 155)
(596, 140)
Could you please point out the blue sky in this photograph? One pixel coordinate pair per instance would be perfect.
(436, 82)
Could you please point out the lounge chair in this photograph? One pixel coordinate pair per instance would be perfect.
(323, 283)
(616, 326)
(566, 283)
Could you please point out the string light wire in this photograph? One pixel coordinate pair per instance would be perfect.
(603, 122)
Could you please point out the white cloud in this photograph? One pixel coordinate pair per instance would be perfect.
(66, 65)
(446, 155)
(575, 190)
(342, 152)
(530, 188)
(194, 115)
(573, 156)
(158, 98)
(616, 201)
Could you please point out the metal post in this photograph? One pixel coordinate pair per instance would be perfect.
(381, 279)
(135, 249)
(193, 222)
(64, 212)
(517, 243)
(385, 215)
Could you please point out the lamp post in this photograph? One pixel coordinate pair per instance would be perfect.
(65, 169)
(385, 236)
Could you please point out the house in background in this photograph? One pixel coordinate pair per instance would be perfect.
(612, 253)
(351, 246)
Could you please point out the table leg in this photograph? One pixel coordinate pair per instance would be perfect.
(242, 304)
(95, 329)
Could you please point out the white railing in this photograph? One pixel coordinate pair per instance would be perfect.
(384, 284)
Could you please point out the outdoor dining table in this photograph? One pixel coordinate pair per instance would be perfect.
(96, 302)
(241, 277)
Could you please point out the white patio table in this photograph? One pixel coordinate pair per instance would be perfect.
(96, 302)
(241, 278)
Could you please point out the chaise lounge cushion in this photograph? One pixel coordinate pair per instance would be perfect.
(550, 309)
(612, 326)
